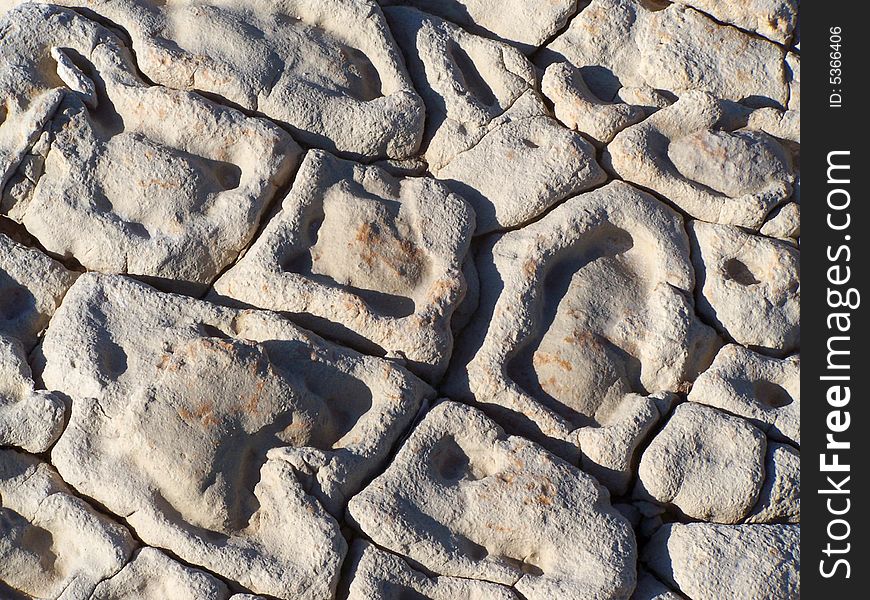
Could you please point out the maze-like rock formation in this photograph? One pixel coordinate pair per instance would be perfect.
(399, 300)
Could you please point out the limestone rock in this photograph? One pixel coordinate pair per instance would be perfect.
(376, 574)
(708, 464)
(581, 315)
(215, 431)
(774, 19)
(466, 81)
(31, 287)
(182, 214)
(523, 24)
(780, 499)
(618, 43)
(650, 588)
(364, 257)
(52, 544)
(721, 176)
(328, 70)
(793, 72)
(464, 499)
(152, 575)
(520, 168)
(785, 223)
(785, 125)
(748, 286)
(765, 390)
(750, 562)
(579, 109)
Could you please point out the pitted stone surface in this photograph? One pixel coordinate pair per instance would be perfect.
(464, 499)
(702, 560)
(683, 153)
(181, 214)
(378, 574)
(295, 62)
(52, 544)
(364, 257)
(764, 390)
(748, 286)
(618, 43)
(774, 19)
(581, 315)
(212, 430)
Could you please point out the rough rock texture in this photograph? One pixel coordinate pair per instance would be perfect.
(549, 297)
(294, 61)
(181, 214)
(376, 574)
(523, 24)
(462, 498)
(521, 168)
(52, 544)
(765, 390)
(750, 562)
(618, 43)
(683, 153)
(364, 257)
(577, 221)
(774, 19)
(579, 109)
(748, 286)
(31, 288)
(466, 81)
(706, 463)
(211, 430)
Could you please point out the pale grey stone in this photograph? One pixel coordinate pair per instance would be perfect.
(650, 588)
(785, 223)
(378, 575)
(466, 81)
(765, 390)
(773, 19)
(582, 314)
(780, 499)
(748, 286)
(52, 544)
(618, 43)
(750, 562)
(215, 431)
(363, 257)
(464, 499)
(721, 176)
(706, 463)
(158, 182)
(525, 25)
(579, 109)
(328, 70)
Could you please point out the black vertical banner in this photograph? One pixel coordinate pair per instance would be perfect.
(835, 250)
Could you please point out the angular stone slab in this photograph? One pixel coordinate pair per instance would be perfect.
(774, 19)
(378, 574)
(650, 588)
(748, 286)
(364, 257)
(328, 70)
(752, 562)
(522, 24)
(618, 43)
(466, 81)
(579, 109)
(152, 575)
(182, 214)
(31, 287)
(581, 315)
(706, 463)
(780, 499)
(525, 164)
(215, 431)
(53, 544)
(464, 499)
(764, 390)
(683, 153)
